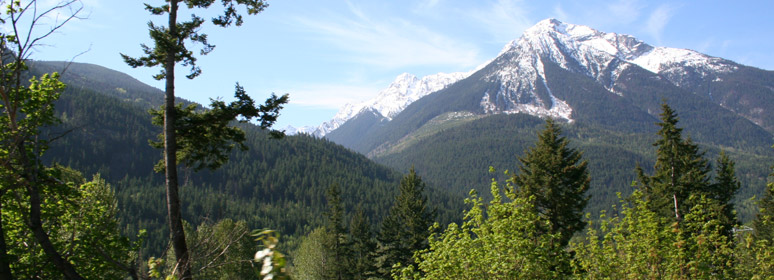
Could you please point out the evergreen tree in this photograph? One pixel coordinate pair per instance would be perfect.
(184, 131)
(339, 268)
(764, 222)
(680, 170)
(554, 174)
(406, 227)
(363, 246)
(723, 190)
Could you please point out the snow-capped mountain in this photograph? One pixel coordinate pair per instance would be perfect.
(578, 74)
(521, 73)
(581, 49)
(404, 90)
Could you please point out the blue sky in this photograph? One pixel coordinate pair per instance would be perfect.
(327, 53)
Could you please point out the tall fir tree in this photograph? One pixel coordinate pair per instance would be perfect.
(339, 268)
(722, 191)
(764, 222)
(680, 170)
(184, 131)
(406, 227)
(362, 246)
(557, 177)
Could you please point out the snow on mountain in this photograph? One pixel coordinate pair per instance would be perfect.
(580, 49)
(404, 90)
(520, 71)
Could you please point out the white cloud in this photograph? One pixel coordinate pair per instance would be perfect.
(390, 43)
(657, 20)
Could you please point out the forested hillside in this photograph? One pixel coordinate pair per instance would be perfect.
(458, 157)
(276, 183)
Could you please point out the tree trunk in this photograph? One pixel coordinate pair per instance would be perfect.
(170, 158)
(32, 178)
(40, 235)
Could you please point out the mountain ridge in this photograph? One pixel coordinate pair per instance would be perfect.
(600, 85)
(519, 83)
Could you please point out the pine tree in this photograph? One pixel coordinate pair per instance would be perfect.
(339, 247)
(406, 227)
(722, 191)
(554, 174)
(362, 245)
(764, 222)
(680, 170)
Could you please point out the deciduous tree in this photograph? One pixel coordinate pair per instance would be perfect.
(26, 106)
(499, 240)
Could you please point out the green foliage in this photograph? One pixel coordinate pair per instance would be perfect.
(709, 245)
(222, 250)
(172, 44)
(555, 176)
(499, 240)
(271, 261)
(363, 246)
(406, 227)
(755, 258)
(642, 244)
(205, 138)
(339, 265)
(81, 218)
(764, 221)
(25, 110)
(313, 258)
(723, 190)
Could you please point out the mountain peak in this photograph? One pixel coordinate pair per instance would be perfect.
(404, 90)
(520, 71)
(546, 25)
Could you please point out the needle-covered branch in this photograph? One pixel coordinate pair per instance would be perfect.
(206, 137)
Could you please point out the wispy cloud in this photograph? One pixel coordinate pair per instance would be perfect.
(390, 43)
(560, 13)
(624, 11)
(330, 96)
(426, 4)
(658, 19)
(504, 19)
(615, 13)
